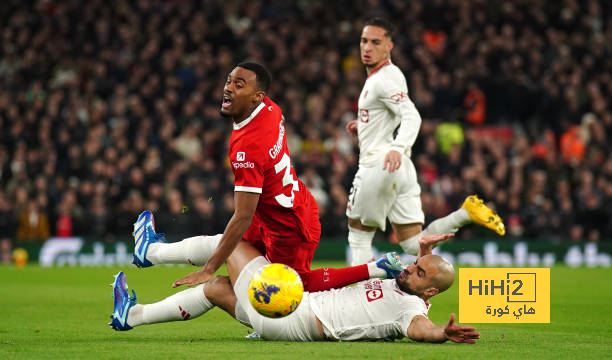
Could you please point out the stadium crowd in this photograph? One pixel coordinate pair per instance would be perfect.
(109, 108)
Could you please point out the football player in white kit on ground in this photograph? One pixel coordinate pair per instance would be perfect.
(371, 310)
(385, 185)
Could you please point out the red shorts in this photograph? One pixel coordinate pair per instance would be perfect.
(294, 246)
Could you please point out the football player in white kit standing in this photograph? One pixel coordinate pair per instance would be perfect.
(385, 185)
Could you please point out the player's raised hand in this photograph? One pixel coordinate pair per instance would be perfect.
(459, 333)
(427, 242)
(393, 161)
(351, 127)
(430, 240)
(195, 278)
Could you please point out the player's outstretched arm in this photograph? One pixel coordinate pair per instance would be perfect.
(427, 242)
(245, 204)
(422, 329)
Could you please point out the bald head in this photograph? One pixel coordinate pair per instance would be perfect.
(428, 276)
(445, 275)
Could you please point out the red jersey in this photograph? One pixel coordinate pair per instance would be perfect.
(261, 164)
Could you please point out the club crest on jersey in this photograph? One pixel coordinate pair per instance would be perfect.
(373, 290)
(364, 115)
(374, 294)
(240, 156)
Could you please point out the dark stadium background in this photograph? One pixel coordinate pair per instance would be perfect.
(111, 107)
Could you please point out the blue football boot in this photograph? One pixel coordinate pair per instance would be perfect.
(144, 235)
(123, 303)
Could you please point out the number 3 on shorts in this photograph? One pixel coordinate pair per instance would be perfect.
(282, 199)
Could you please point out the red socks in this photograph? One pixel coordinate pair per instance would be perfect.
(328, 278)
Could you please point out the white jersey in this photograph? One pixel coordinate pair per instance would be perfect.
(383, 106)
(370, 310)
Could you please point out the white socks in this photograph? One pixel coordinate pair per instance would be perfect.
(361, 246)
(375, 271)
(446, 225)
(184, 305)
(194, 250)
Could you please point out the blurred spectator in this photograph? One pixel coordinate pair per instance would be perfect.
(33, 223)
(107, 109)
(177, 221)
(7, 229)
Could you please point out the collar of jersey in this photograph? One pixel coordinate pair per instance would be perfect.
(388, 62)
(246, 121)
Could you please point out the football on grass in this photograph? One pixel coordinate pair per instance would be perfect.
(276, 290)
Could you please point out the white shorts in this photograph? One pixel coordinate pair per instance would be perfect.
(300, 325)
(376, 195)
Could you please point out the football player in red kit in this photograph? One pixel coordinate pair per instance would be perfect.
(274, 210)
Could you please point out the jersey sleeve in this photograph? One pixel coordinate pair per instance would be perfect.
(248, 166)
(394, 95)
(411, 307)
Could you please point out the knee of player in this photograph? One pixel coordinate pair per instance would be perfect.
(219, 292)
(216, 286)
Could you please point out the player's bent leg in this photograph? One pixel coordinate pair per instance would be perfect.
(185, 305)
(241, 283)
(243, 255)
(301, 325)
(472, 210)
(446, 225)
(360, 241)
(219, 289)
(408, 236)
(220, 293)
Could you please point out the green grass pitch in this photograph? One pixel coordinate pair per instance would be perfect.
(61, 313)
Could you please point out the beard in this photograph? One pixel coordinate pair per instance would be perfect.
(405, 288)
